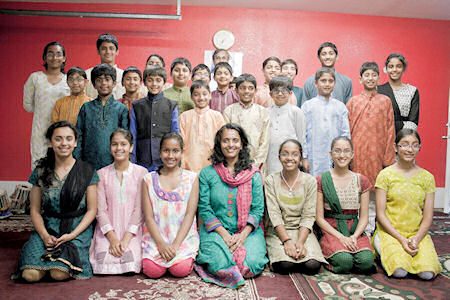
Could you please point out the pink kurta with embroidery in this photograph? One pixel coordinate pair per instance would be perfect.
(119, 209)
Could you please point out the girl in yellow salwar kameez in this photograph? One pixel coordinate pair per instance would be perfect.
(405, 201)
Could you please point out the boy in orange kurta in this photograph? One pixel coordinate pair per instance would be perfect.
(371, 119)
(198, 127)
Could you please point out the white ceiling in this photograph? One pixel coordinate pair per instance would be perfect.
(424, 9)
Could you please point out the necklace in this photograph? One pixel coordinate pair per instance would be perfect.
(287, 184)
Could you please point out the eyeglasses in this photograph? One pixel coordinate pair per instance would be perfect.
(75, 80)
(283, 91)
(52, 55)
(286, 155)
(414, 147)
(340, 151)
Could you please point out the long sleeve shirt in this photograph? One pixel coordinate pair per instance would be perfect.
(343, 89)
(219, 100)
(67, 108)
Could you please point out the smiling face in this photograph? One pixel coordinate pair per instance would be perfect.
(171, 153)
(120, 148)
(369, 80)
(221, 56)
(289, 70)
(63, 142)
(201, 97)
(104, 85)
(325, 85)
(395, 69)
(76, 83)
(327, 57)
(108, 53)
(223, 77)
(230, 144)
(180, 75)
(341, 153)
(131, 81)
(290, 156)
(54, 57)
(246, 92)
(407, 148)
(201, 74)
(154, 84)
(280, 95)
(271, 70)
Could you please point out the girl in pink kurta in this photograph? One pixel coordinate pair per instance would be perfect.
(116, 247)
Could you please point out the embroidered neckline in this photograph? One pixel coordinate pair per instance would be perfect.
(170, 196)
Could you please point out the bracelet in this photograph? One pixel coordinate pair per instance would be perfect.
(288, 239)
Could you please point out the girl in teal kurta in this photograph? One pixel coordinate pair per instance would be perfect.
(231, 204)
(65, 189)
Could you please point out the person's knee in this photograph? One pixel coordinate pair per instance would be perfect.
(426, 275)
(399, 273)
(183, 268)
(32, 275)
(59, 275)
(311, 267)
(151, 269)
(341, 262)
(283, 267)
(363, 261)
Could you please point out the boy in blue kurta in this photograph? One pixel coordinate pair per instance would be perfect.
(99, 118)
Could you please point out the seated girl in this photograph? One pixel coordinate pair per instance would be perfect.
(63, 204)
(341, 195)
(405, 202)
(116, 246)
(169, 202)
(291, 202)
(231, 204)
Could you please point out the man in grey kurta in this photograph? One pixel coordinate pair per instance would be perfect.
(343, 89)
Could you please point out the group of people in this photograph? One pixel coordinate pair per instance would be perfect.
(150, 165)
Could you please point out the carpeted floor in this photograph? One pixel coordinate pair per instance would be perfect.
(325, 285)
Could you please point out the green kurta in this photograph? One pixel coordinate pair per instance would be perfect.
(30, 257)
(217, 207)
(182, 96)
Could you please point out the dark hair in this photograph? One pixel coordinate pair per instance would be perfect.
(167, 136)
(300, 166)
(76, 70)
(107, 38)
(47, 163)
(200, 67)
(246, 77)
(399, 56)
(234, 80)
(244, 161)
(158, 56)
(223, 65)
(217, 51)
(132, 69)
(103, 69)
(405, 132)
(126, 134)
(341, 138)
(155, 71)
(324, 70)
(369, 65)
(271, 58)
(290, 61)
(181, 61)
(44, 55)
(327, 44)
(198, 84)
(280, 81)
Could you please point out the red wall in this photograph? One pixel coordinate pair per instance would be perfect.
(259, 33)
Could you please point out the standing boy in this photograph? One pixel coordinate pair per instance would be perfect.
(252, 117)
(328, 54)
(326, 119)
(289, 68)
(287, 121)
(371, 119)
(99, 118)
(131, 80)
(180, 71)
(201, 72)
(107, 49)
(67, 108)
(223, 96)
(152, 117)
(198, 127)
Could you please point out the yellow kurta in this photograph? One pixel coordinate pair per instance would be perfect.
(256, 124)
(263, 97)
(198, 127)
(404, 210)
(67, 108)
